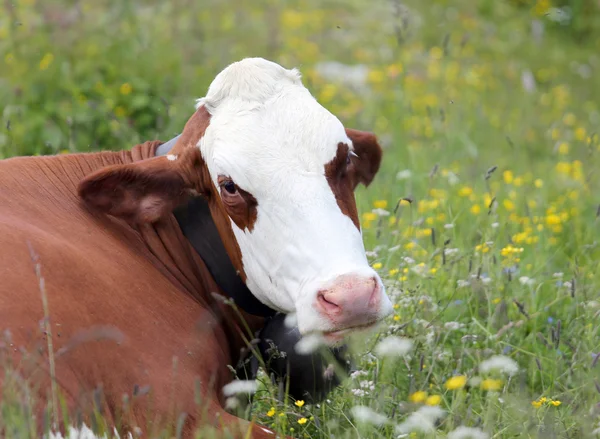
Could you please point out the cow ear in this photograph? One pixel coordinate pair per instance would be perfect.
(368, 152)
(140, 192)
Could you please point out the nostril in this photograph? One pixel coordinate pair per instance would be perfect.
(327, 304)
(375, 296)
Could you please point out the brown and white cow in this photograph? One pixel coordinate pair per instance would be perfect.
(277, 171)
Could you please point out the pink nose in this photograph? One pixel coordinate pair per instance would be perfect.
(351, 301)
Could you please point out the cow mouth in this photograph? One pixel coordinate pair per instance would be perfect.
(334, 337)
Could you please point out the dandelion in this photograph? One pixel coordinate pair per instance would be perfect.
(463, 432)
(368, 416)
(380, 204)
(271, 412)
(475, 209)
(465, 191)
(491, 384)
(369, 216)
(433, 400)
(456, 382)
(377, 265)
(418, 397)
(240, 386)
(299, 403)
(501, 364)
(302, 421)
(394, 346)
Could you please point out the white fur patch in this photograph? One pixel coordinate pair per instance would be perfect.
(273, 139)
(171, 157)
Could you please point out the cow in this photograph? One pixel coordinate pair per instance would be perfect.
(114, 288)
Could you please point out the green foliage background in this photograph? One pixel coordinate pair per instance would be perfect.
(483, 219)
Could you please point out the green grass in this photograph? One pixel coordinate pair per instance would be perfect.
(481, 159)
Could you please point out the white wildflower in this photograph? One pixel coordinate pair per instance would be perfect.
(468, 433)
(368, 415)
(448, 226)
(232, 403)
(404, 175)
(369, 385)
(452, 178)
(423, 420)
(380, 212)
(358, 392)
(495, 225)
(309, 344)
(567, 285)
(450, 251)
(394, 248)
(394, 346)
(453, 326)
(291, 320)
(371, 254)
(558, 275)
(499, 363)
(240, 386)
(359, 373)
(462, 283)
(524, 280)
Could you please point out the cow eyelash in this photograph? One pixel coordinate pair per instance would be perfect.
(229, 187)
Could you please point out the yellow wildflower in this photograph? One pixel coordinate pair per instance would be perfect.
(380, 204)
(125, 89)
(563, 148)
(271, 412)
(536, 404)
(46, 61)
(433, 400)
(418, 397)
(508, 205)
(491, 384)
(393, 272)
(580, 134)
(555, 403)
(475, 209)
(538, 183)
(377, 265)
(456, 382)
(508, 176)
(465, 191)
(299, 403)
(369, 216)
(302, 421)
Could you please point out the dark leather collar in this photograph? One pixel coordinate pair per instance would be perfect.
(198, 227)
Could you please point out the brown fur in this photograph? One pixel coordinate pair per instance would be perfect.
(103, 278)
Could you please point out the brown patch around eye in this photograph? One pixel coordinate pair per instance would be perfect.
(339, 174)
(239, 205)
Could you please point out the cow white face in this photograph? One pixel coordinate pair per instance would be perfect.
(278, 171)
(283, 167)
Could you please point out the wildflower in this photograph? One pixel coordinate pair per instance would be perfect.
(524, 280)
(393, 272)
(309, 344)
(555, 403)
(369, 216)
(358, 392)
(240, 386)
(456, 382)
(537, 404)
(422, 420)
(377, 265)
(46, 61)
(433, 400)
(299, 403)
(448, 226)
(302, 421)
(125, 89)
(367, 415)
(271, 412)
(563, 148)
(404, 175)
(538, 183)
(465, 191)
(453, 326)
(475, 209)
(380, 204)
(463, 432)
(499, 363)
(394, 346)
(508, 176)
(491, 384)
(418, 397)
(381, 212)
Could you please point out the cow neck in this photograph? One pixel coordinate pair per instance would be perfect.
(196, 223)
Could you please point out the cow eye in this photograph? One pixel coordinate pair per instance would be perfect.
(229, 186)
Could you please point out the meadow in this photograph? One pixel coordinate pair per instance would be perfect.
(483, 220)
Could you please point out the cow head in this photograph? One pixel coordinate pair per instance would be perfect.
(279, 172)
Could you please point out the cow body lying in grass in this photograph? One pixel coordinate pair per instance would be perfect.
(128, 304)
